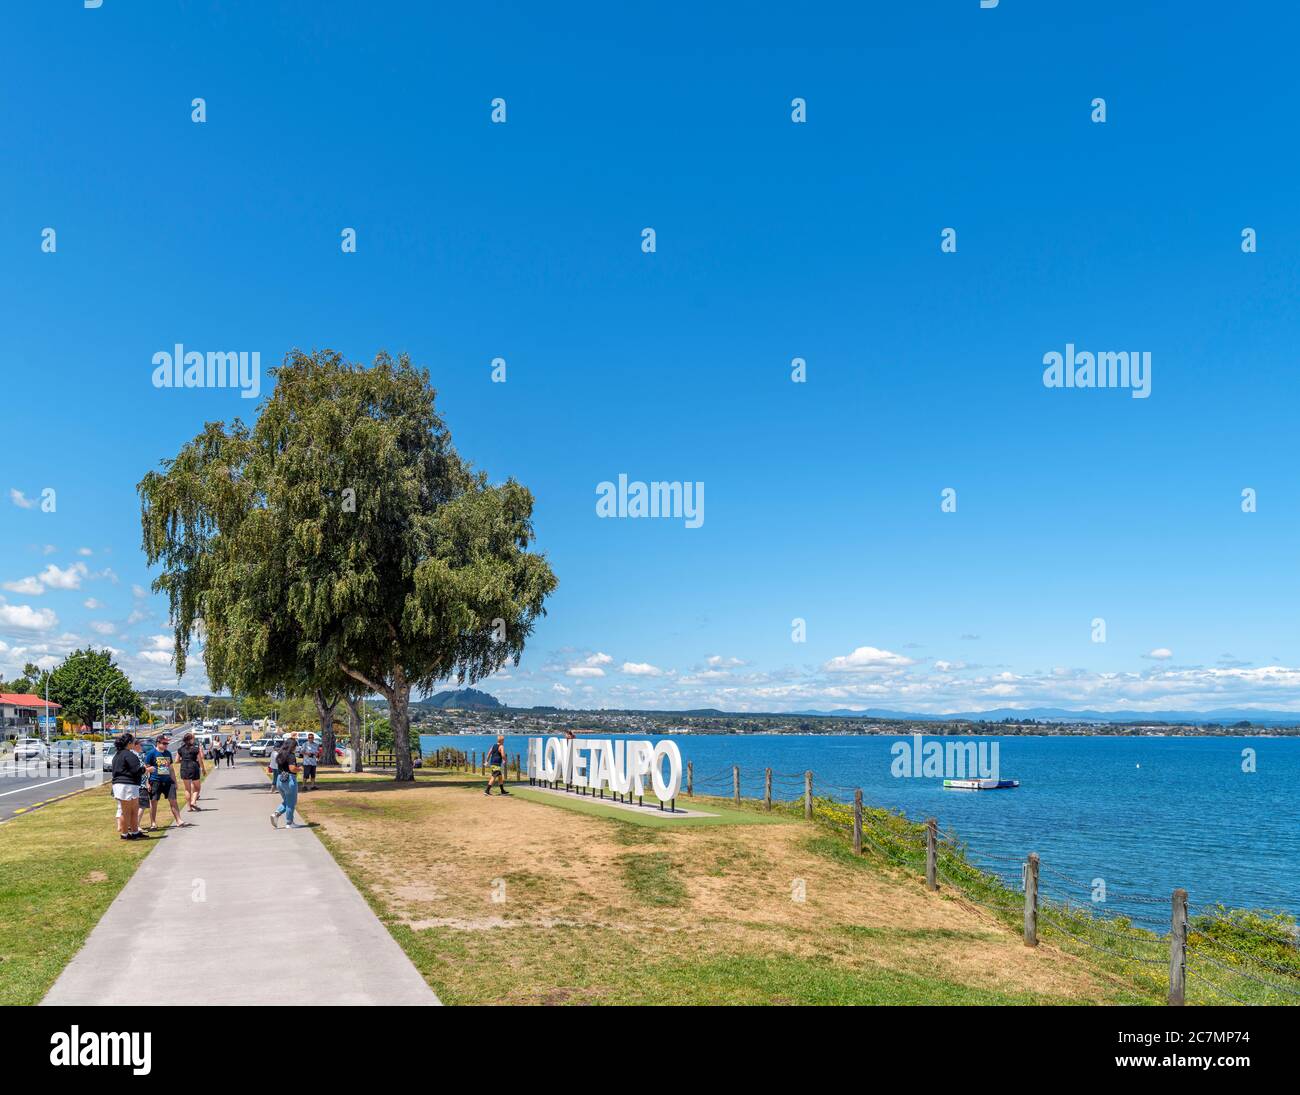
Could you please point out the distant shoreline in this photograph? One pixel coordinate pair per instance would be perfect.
(930, 730)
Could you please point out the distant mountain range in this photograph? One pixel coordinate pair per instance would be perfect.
(473, 699)
(1059, 714)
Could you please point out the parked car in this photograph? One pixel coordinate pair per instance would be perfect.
(30, 749)
(109, 751)
(263, 747)
(67, 750)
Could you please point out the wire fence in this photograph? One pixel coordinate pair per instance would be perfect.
(1162, 947)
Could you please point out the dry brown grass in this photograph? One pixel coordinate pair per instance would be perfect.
(640, 914)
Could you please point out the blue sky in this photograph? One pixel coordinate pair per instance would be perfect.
(774, 240)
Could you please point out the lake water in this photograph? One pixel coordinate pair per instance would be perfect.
(1144, 814)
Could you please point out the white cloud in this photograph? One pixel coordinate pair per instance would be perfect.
(719, 660)
(30, 586)
(1160, 653)
(102, 627)
(868, 659)
(92, 604)
(642, 669)
(26, 618)
(52, 577)
(139, 591)
(84, 551)
(19, 499)
(590, 666)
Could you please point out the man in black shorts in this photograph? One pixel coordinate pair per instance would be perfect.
(496, 760)
(309, 754)
(162, 783)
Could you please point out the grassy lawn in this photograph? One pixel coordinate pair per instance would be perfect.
(60, 868)
(517, 900)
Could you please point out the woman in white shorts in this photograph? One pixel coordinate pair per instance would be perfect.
(127, 769)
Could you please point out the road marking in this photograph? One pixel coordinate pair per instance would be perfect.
(34, 786)
(29, 808)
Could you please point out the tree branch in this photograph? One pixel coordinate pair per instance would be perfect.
(382, 689)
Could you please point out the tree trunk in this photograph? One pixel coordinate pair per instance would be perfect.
(354, 729)
(326, 713)
(399, 721)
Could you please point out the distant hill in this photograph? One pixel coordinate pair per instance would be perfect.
(460, 698)
(163, 694)
(1222, 716)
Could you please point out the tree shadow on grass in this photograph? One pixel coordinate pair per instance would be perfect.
(363, 786)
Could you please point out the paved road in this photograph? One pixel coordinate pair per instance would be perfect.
(27, 786)
(227, 875)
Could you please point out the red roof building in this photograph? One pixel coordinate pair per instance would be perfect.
(20, 714)
(27, 703)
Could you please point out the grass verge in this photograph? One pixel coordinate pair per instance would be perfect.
(60, 868)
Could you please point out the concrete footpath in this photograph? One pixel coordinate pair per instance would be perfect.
(230, 911)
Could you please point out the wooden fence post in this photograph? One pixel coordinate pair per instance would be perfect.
(767, 789)
(1031, 900)
(1178, 949)
(690, 779)
(807, 796)
(857, 821)
(735, 783)
(931, 864)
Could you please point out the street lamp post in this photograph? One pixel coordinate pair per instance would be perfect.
(103, 726)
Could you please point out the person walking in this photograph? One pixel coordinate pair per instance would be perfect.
(230, 751)
(127, 768)
(310, 757)
(162, 784)
(496, 760)
(271, 750)
(286, 782)
(193, 768)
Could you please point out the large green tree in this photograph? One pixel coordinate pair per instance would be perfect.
(28, 684)
(86, 682)
(341, 543)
